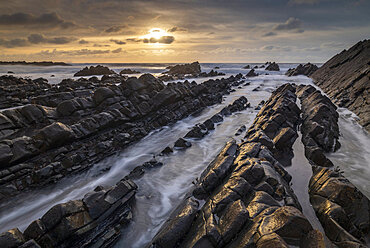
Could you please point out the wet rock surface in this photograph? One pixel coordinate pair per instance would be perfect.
(342, 209)
(77, 123)
(320, 131)
(94, 221)
(345, 78)
(243, 198)
(307, 70)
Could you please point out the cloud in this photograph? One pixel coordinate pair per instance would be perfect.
(101, 45)
(50, 20)
(269, 34)
(276, 48)
(163, 40)
(82, 41)
(176, 29)
(13, 43)
(115, 29)
(39, 38)
(291, 24)
(80, 52)
(118, 50)
(118, 42)
(134, 40)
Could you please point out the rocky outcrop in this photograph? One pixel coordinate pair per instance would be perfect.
(306, 70)
(345, 78)
(243, 198)
(128, 71)
(94, 221)
(320, 131)
(251, 73)
(342, 209)
(94, 70)
(183, 69)
(272, 67)
(40, 145)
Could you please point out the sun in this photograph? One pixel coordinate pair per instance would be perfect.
(155, 34)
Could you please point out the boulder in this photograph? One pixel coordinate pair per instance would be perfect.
(182, 144)
(55, 134)
(101, 94)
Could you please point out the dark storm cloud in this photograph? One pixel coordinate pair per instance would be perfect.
(39, 38)
(45, 20)
(13, 43)
(118, 42)
(176, 29)
(163, 40)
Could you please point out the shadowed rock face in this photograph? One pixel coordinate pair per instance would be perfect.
(306, 70)
(247, 200)
(75, 124)
(346, 79)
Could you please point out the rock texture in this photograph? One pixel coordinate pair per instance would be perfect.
(320, 125)
(94, 70)
(94, 221)
(342, 209)
(78, 123)
(346, 79)
(243, 198)
(307, 70)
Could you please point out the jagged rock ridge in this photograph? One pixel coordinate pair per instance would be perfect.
(346, 79)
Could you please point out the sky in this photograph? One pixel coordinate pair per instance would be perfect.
(137, 31)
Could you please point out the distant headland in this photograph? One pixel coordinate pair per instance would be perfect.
(41, 63)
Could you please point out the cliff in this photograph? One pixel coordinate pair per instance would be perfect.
(345, 78)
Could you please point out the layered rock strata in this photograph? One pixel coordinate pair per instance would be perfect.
(41, 144)
(243, 198)
(94, 221)
(342, 209)
(306, 70)
(346, 79)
